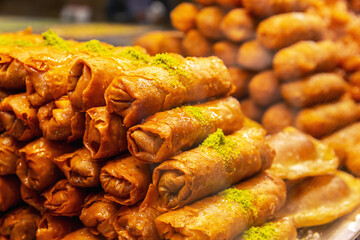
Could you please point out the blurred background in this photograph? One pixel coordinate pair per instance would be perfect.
(114, 21)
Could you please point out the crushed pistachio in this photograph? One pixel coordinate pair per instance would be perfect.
(136, 55)
(264, 232)
(96, 47)
(198, 113)
(225, 147)
(52, 39)
(5, 41)
(244, 198)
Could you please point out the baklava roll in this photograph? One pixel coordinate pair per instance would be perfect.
(55, 227)
(20, 223)
(62, 199)
(227, 51)
(89, 76)
(318, 88)
(19, 118)
(306, 57)
(253, 56)
(9, 154)
(36, 168)
(195, 44)
(285, 29)
(227, 214)
(9, 192)
(208, 22)
(170, 81)
(277, 117)
(80, 169)
(98, 215)
(264, 89)
(183, 16)
(267, 8)
(237, 25)
(82, 234)
(105, 133)
(167, 133)
(33, 198)
(58, 120)
(219, 162)
(323, 120)
(136, 222)
(125, 180)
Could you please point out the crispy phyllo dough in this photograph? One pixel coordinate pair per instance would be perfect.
(125, 180)
(58, 120)
(166, 134)
(321, 199)
(306, 57)
(267, 8)
(237, 25)
(19, 118)
(219, 162)
(89, 77)
(240, 80)
(62, 199)
(299, 155)
(170, 81)
(80, 168)
(33, 198)
(98, 215)
(323, 120)
(252, 110)
(9, 192)
(253, 56)
(278, 229)
(278, 117)
(9, 154)
(227, 214)
(227, 51)
(136, 223)
(318, 88)
(55, 227)
(183, 16)
(105, 133)
(35, 168)
(264, 88)
(82, 234)
(195, 44)
(346, 144)
(20, 224)
(208, 22)
(285, 29)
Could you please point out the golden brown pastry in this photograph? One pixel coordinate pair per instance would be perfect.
(19, 118)
(98, 215)
(125, 180)
(323, 120)
(264, 89)
(253, 56)
(208, 22)
(105, 133)
(195, 44)
(306, 57)
(227, 214)
(82, 234)
(299, 155)
(237, 25)
(9, 154)
(9, 192)
(20, 224)
(226, 51)
(240, 79)
(35, 168)
(58, 120)
(183, 16)
(80, 169)
(62, 199)
(252, 110)
(219, 162)
(167, 133)
(318, 88)
(168, 82)
(33, 198)
(285, 29)
(322, 199)
(277, 117)
(55, 227)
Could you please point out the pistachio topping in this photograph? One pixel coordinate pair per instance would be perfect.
(265, 232)
(52, 39)
(244, 198)
(199, 114)
(96, 47)
(135, 55)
